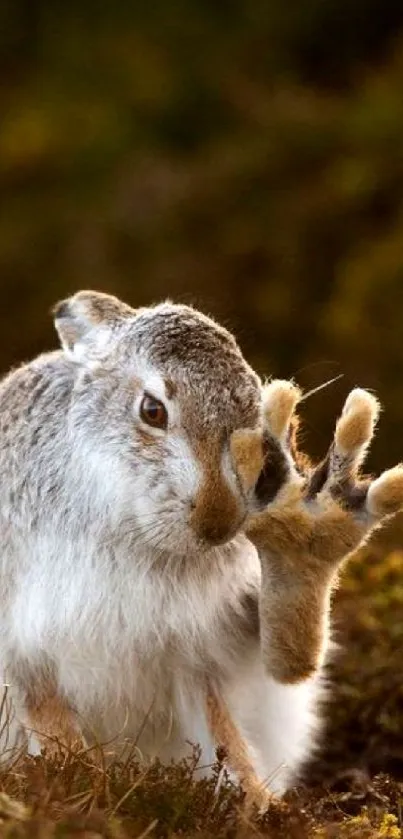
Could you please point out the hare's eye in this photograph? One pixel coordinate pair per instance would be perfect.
(153, 412)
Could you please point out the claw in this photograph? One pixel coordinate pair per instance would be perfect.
(280, 398)
(385, 495)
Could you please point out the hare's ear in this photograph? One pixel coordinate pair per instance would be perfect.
(85, 321)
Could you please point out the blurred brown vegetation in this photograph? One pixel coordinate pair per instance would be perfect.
(247, 157)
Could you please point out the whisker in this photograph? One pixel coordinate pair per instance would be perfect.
(321, 387)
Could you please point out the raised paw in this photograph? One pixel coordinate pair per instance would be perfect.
(307, 519)
(326, 510)
(329, 508)
(313, 519)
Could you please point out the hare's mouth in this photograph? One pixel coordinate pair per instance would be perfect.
(220, 536)
(174, 532)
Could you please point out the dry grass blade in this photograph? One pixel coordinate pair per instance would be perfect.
(129, 792)
(10, 809)
(148, 829)
(321, 387)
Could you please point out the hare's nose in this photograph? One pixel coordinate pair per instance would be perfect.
(215, 512)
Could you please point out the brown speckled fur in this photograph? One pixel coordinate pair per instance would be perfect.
(54, 724)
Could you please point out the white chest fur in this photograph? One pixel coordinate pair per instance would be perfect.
(131, 646)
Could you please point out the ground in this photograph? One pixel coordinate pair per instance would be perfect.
(353, 790)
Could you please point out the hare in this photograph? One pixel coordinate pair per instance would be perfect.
(167, 555)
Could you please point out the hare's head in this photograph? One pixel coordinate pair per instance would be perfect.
(159, 392)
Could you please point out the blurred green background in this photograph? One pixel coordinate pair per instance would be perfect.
(244, 156)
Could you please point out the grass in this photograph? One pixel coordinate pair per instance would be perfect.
(353, 789)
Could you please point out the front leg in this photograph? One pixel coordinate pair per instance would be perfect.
(317, 518)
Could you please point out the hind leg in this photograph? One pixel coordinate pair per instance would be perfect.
(45, 714)
(53, 723)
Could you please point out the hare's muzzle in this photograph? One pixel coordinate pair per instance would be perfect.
(216, 517)
(217, 510)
